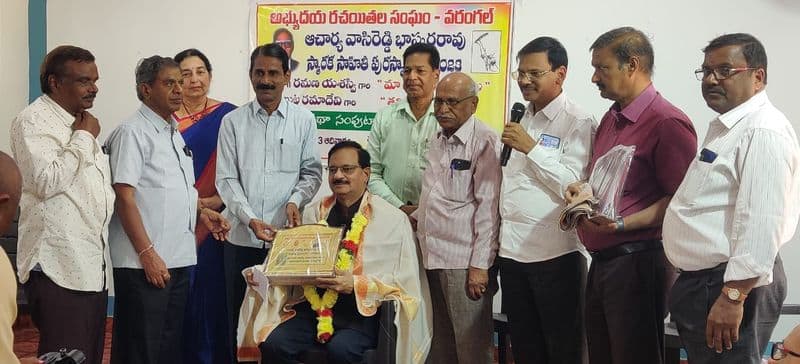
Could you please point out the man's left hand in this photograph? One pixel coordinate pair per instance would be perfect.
(292, 215)
(342, 282)
(516, 137)
(588, 225)
(722, 325)
(215, 223)
(477, 279)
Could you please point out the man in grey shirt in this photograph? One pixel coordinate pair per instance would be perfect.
(152, 231)
(268, 167)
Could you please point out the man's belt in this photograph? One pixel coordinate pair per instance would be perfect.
(703, 272)
(626, 248)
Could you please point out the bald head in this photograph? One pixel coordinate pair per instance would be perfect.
(10, 190)
(460, 80)
(455, 102)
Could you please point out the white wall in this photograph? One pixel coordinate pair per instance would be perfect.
(13, 63)
(121, 32)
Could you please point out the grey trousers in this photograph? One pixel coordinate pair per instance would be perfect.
(691, 299)
(462, 328)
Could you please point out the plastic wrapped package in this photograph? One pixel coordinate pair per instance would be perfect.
(599, 198)
(608, 178)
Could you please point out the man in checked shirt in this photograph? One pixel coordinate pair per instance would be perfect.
(457, 222)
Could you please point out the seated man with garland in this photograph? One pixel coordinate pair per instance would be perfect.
(377, 264)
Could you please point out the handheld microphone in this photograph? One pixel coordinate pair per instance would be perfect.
(516, 115)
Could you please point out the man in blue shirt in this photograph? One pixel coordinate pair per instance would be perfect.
(268, 168)
(151, 234)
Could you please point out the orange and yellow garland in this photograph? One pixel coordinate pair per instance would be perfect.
(323, 305)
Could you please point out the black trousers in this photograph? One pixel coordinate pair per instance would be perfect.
(690, 302)
(544, 303)
(626, 307)
(67, 318)
(236, 259)
(291, 339)
(148, 321)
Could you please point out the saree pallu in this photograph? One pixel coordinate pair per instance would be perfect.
(205, 324)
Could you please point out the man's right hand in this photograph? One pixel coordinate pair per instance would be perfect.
(263, 231)
(154, 268)
(87, 122)
(408, 210)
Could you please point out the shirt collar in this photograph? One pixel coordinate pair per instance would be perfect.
(634, 110)
(462, 135)
(62, 113)
(552, 109)
(157, 121)
(406, 106)
(730, 118)
(283, 106)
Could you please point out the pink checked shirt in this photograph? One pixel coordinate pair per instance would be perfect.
(458, 218)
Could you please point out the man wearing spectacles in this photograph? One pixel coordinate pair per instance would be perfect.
(737, 206)
(787, 351)
(385, 272)
(628, 279)
(543, 269)
(458, 223)
(400, 132)
(285, 39)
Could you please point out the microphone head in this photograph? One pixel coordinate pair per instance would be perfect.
(517, 111)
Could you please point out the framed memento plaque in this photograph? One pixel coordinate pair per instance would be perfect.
(303, 253)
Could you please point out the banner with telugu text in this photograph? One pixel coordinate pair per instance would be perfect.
(346, 58)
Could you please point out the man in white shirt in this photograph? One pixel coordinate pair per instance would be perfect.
(66, 205)
(543, 269)
(737, 205)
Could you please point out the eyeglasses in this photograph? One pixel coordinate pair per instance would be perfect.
(449, 102)
(287, 43)
(720, 73)
(780, 352)
(528, 75)
(348, 169)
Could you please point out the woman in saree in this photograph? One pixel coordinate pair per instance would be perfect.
(205, 325)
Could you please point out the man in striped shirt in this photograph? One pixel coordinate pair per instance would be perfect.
(458, 222)
(734, 210)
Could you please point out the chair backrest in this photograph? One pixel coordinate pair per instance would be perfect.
(8, 240)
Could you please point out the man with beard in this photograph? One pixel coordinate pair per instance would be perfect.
(152, 231)
(737, 206)
(66, 206)
(398, 140)
(384, 271)
(268, 168)
(628, 279)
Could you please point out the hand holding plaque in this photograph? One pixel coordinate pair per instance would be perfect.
(301, 254)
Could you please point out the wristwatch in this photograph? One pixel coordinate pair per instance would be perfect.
(620, 225)
(733, 294)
